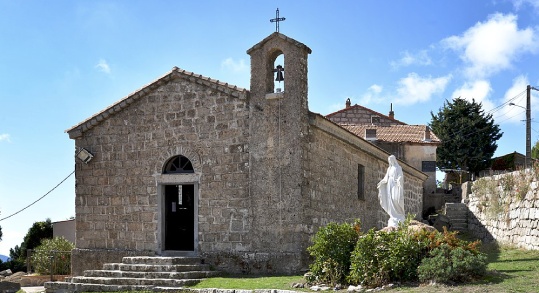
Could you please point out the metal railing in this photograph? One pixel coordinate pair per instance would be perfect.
(54, 263)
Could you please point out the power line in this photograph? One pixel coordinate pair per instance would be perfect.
(39, 198)
(493, 110)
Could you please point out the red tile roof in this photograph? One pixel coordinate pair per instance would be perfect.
(395, 133)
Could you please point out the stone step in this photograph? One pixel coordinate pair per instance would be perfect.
(457, 216)
(62, 287)
(153, 260)
(150, 275)
(154, 268)
(135, 281)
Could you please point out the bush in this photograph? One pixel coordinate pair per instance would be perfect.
(57, 250)
(331, 249)
(383, 257)
(452, 264)
(399, 255)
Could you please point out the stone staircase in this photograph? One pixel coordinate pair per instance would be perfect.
(458, 215)
(139, 273)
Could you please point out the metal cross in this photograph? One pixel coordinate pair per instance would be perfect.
(277, 19)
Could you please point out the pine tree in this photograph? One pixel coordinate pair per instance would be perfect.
(468, 136)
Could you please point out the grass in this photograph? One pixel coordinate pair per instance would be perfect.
(509, 270)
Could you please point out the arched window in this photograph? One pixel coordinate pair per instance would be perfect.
(178, 164)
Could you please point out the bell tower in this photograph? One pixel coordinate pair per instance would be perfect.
(278, 130)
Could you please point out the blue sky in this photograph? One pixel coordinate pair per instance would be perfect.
(63, 61)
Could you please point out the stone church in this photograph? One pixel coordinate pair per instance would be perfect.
(191, 166)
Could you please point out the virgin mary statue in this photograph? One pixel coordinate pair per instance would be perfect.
(391, 193)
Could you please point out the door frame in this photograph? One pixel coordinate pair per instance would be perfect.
(175, 179)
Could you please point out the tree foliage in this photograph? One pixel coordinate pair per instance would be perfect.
(468, 136)
(36, 233)
(535, 152)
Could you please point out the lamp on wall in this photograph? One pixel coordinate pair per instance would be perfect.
(84, 155)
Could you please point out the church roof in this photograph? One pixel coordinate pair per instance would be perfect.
(358, 107)
(176, 72)
(396, 133)
(279, 35)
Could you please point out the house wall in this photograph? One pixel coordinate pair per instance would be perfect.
(359, 115)
(64, 229)
(415, 155)
(117, 196)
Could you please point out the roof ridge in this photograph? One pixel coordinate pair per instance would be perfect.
(365, 108)
(130, 98)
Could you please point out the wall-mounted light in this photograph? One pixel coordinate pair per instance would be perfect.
(84, 155)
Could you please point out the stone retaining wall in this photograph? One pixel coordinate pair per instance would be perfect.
(505, 208)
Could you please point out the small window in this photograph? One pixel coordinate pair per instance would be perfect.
(178, 164)
(360, 182)
(375, 119)
(370, 134)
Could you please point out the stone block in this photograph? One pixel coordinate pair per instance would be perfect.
(9, 287)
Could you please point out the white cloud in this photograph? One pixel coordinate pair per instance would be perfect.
(103, 66)
(5, 137)
(516, 114)
(478, 90)
(420, 58)
(372, 95)
(518, 4)
(234, 66)
(416, 89)
(491, 46)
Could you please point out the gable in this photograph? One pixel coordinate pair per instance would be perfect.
(176, 73)
(361, 116)
(283, 37)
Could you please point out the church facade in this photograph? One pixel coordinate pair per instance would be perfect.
(189, 165)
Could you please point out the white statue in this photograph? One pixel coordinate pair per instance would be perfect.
(391, 193)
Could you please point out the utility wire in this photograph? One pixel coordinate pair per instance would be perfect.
(493, 110)
(39, 198)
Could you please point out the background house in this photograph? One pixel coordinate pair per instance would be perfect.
(414, 144)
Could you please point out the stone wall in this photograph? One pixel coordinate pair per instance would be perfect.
(505, 208)
(332, 192)
(360, 115)
(117, 198)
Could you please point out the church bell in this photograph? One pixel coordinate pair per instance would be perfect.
(279, 71)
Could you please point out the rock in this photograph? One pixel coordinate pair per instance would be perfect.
(6, 273)
(9, 287)
(319, 288)
(441, 222)
(414, 226)
(16, 277)
(388, 229)
(417, 226)
(357, 288)
(298, 285)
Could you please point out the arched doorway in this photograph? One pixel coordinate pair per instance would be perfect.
(179, 205)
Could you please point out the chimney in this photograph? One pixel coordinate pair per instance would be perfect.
(391, 113)
(426, 136)
(348, 103)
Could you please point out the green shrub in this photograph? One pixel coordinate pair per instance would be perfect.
(331, 249)
(57, 250)
(383, 257)
(448, 264)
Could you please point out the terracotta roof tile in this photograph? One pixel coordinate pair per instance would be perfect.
(395, 133)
